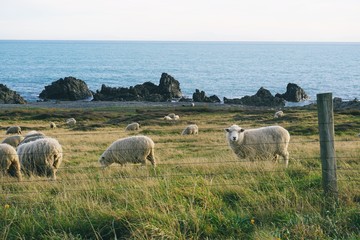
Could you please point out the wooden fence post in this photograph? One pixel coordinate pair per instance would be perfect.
(327, 149)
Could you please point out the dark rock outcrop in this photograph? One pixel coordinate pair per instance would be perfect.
(67, 89)
(8, 96)
(293, 93)
(339, 104)
(200, 96)
(168, 89)
(263, 97)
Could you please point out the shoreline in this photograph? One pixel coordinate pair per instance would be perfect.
(136, 104)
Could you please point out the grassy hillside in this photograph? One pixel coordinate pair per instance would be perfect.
(199, 189)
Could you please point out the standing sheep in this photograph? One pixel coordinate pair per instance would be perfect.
(32, 136)
(259, 142)
(191, 129)
(135, 149)
(13, 140)
(14, 130)
(132, 126)
(279, 114)
(9, 161)
(41, 157)
(71, 121)
(52, 125)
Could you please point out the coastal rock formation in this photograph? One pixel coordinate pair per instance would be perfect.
(338, 104)
(168, 89)
(263, 97)
(200, 96)
(8, 96)
(293, 93)
(67, 89)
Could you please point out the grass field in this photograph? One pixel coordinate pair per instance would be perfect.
(199, 189)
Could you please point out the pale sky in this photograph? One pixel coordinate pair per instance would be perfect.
(181, 20)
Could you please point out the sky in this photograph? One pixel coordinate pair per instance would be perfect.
(181, 20)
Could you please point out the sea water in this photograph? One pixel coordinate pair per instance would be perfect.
(226, 69)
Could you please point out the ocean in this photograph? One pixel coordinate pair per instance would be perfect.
(226, 69)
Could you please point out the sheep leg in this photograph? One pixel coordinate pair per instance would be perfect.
(151, 158)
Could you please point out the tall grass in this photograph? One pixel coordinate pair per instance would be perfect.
(199, 189)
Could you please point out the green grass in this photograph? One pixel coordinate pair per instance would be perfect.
(199, 189)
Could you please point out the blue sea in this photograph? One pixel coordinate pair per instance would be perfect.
(226, 69)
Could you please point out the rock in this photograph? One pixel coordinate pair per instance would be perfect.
(263, 97)
(67, 89)
(200, 96)
(339, 104)
(167, 89)
(293, 93)
(8, 96)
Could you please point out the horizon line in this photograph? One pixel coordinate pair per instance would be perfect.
(220, 41)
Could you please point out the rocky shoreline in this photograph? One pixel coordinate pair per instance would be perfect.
(74, 93)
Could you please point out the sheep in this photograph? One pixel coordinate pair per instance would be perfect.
(171, 115)
(279, 114)
(9, 161)
(132, 126)
(41, 157)
(32, 136)
(52, 125)
(134, 149)
(259, 142)
(191, 129)
(13, 140)
(71, 121)
(14, 130)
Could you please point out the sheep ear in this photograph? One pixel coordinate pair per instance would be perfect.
(242, 130)
(226, 130)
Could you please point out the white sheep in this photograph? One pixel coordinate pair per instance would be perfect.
(191, 129)
(9, 161)
(171, 115)
(167, 118)
(176, 117)
(41, 157)
(13, 140)
(279, 114)
(32, 136)
(52, 125)
(14, 130)
(71, 121)
(261, 142)
(134, 149)
(132, 126)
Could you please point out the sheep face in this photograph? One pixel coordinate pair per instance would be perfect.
(104, 161)
(234, 133)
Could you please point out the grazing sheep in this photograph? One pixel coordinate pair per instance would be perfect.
(167, 118)
(259, 142)
(14, 130)
(13, 140)
(52, 125)
(32, 136)
(41, 157)
(135, 149)
(191, 129)
(9, 161)
(132, 126)
(71, 121)
(279, 114)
